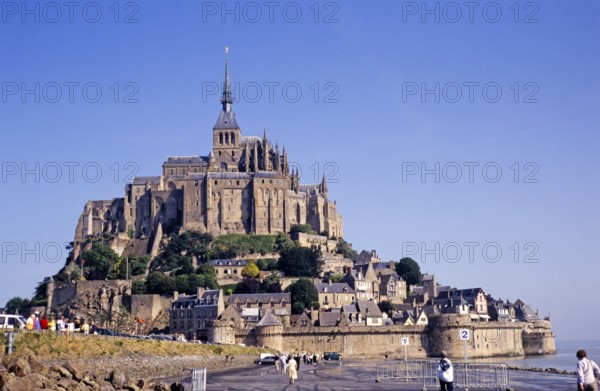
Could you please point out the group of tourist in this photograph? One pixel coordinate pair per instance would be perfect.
(290, 364)
(62, 324)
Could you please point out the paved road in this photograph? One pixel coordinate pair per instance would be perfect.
(354, 377)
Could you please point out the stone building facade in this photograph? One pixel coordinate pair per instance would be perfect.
(244, 185)
(190, 315)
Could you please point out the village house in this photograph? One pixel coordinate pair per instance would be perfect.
(362, 313)
(334, 294)
(474, 297)
(229, 271)
(364, 281)
(190, 314)
(365, 257)
(252, 307)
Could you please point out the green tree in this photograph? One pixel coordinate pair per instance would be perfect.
(271, 284)
(304, 295)
(138, 287)
(248, 285)
(386, 307)
(180, 250)
(301, 262)
(345, 249)
(240, 245)
(410, 271)
(304, 228)
(16, 305)
(266, 264)
(283, 242)
(250, 270)
(99, 261)
(159, 283)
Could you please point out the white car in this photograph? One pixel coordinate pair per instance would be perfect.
(12, 322)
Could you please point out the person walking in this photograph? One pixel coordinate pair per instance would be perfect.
(445, 373)
(292, 367)
(277, 364)
(587, 372)
(44, 323)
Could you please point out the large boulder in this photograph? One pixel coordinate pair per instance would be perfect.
(117, 378)
(35, 381)
(20, 367)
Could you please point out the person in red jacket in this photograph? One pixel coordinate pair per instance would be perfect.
(44, 323)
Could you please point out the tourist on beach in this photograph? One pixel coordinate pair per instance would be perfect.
(587, 370)
(445, 373)
(291, 369)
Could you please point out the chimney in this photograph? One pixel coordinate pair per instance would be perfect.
(200, 292)
(175, 295)
(392, 265)
(329, 280)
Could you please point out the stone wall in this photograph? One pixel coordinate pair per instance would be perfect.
(148, 307)
(538, 339)
(487, 339)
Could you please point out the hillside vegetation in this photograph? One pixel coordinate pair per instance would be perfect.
(51, 345)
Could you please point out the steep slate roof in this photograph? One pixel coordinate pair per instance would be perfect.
(335, 287)
(525, 312)
(185, 160)
(141, 180)
(268, 320)
(260, 297)
(228, 262)
(208, 298)
(226, 120)
(329, 319)
(368, 309)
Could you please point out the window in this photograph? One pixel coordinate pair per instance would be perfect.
(181, 314)
(216, 182)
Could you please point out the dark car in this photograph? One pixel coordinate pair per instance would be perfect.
(268, 360)
(332, 356)
(105, 332)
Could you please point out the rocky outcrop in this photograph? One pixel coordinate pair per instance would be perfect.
(24, 371)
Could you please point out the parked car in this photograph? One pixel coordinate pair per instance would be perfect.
(108, 332)
(332, 356)
(266, 360)
(12, 322)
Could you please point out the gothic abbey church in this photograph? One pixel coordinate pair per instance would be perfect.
(244, 185)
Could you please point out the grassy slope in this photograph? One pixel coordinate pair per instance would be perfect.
(52, 345)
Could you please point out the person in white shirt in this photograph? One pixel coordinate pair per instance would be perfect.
(445, 373)
(587, 370)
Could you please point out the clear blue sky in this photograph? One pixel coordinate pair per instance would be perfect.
(369, 65)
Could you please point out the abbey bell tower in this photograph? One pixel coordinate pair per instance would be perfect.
(226, 149)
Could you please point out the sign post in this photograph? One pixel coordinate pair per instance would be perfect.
(405, 344)
(465, 335)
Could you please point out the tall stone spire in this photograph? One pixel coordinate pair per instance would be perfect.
(324, 189)
(286, 168)
(226, 100)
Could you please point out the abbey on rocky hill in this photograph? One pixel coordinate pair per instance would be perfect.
(244, 185)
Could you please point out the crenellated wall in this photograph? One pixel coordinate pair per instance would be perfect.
(487, 339)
